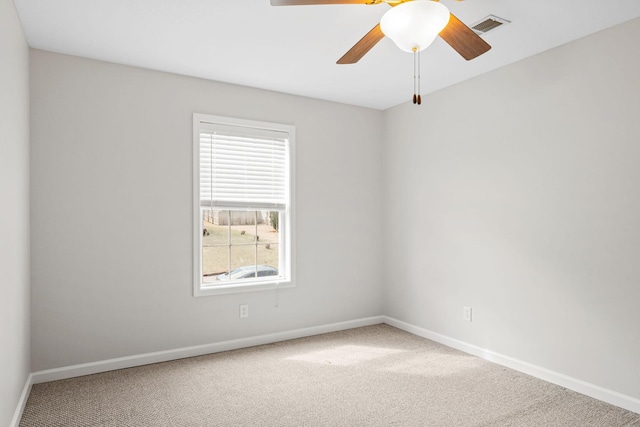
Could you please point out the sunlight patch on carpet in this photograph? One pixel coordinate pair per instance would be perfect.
(346, 355)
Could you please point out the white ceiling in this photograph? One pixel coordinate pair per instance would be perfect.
(294, 49)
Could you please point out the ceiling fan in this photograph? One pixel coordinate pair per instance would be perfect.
(412, 25)
(460, 37)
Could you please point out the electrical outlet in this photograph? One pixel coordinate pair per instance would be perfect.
(466, 314)
(244, 310)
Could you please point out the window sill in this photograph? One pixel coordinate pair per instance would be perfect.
(203, 291)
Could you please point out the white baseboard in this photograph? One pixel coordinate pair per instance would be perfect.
(592, 390)
(583, 387)
(199, 350)
(17, 415)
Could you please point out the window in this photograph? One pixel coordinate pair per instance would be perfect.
(242, 205)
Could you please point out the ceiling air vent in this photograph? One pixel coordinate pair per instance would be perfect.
(487, 24)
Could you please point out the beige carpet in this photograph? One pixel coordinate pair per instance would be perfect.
(372, 376)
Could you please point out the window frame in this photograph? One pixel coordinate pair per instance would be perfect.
(286, 228)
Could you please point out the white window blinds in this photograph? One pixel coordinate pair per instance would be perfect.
(243, 167)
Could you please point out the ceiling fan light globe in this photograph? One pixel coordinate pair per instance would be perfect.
(414, 25)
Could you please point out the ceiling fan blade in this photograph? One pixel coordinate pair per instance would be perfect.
(462, 38)
(311, 2)
(361, 48)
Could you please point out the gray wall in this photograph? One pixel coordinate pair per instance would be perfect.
(112, 212)
(518, 193)
(14, 211)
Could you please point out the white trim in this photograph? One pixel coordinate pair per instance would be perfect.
(198, 350)
(618, 399)
(246, 287)
(22, 402)
(592, 390)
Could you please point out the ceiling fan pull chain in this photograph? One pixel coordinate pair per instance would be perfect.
(419, 97)
(415, 84)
